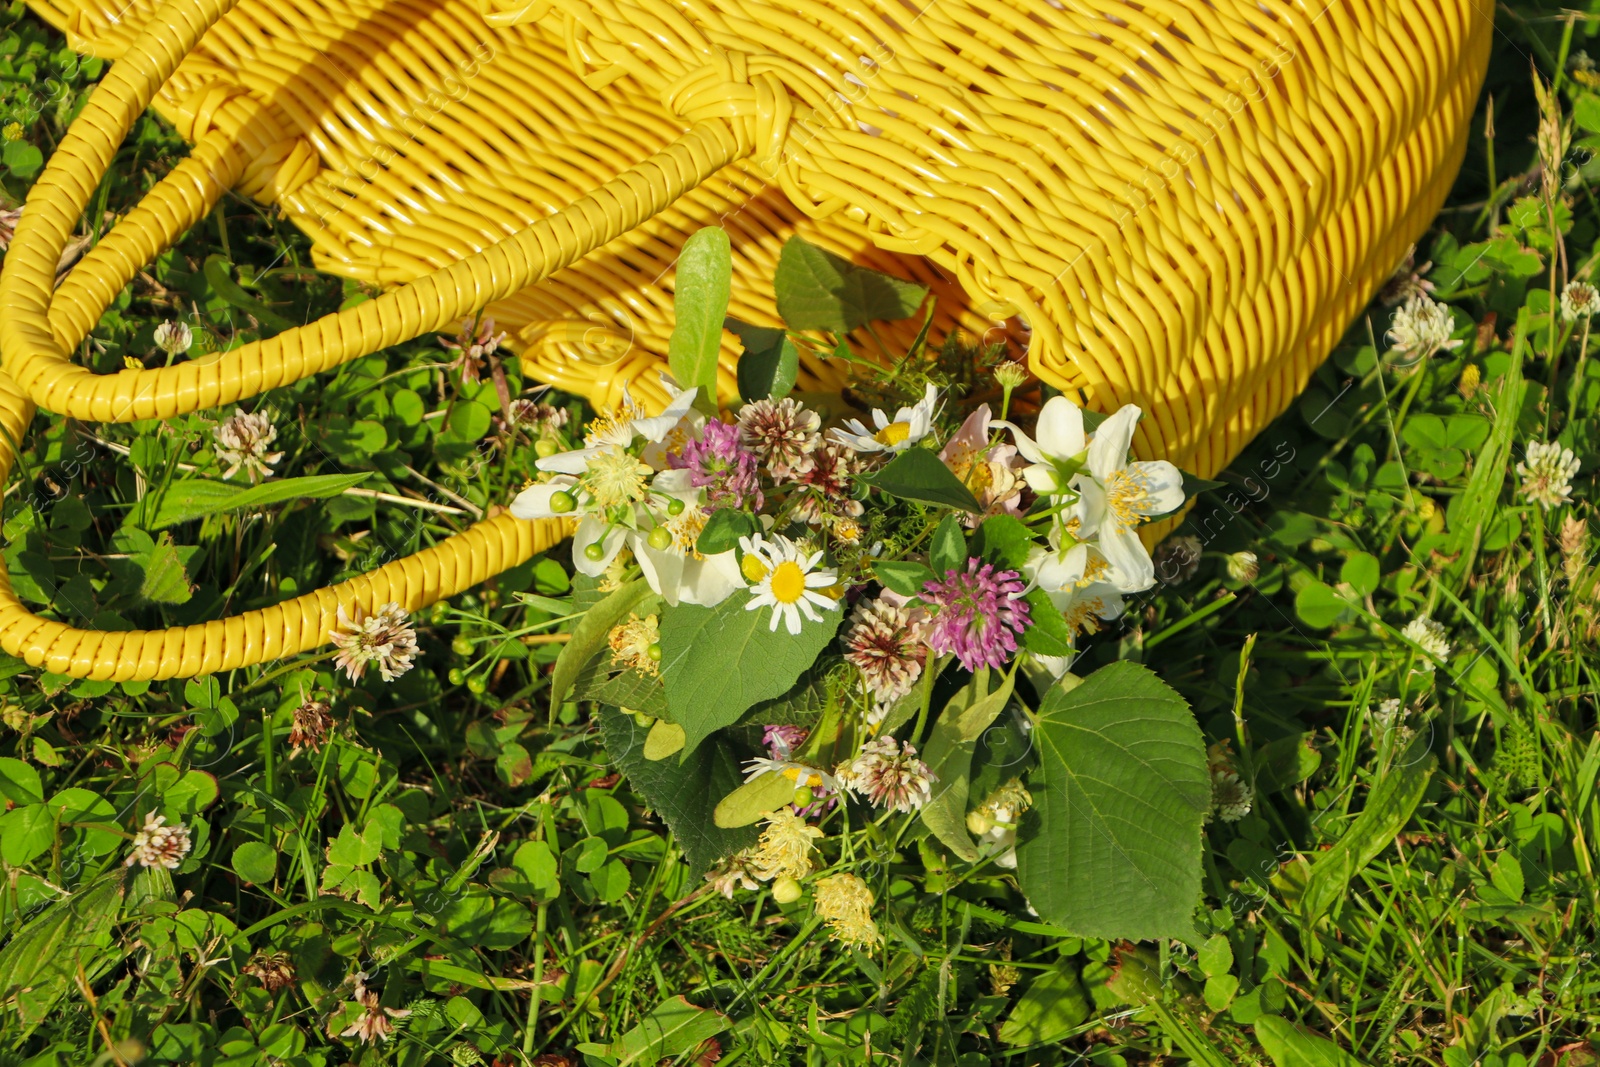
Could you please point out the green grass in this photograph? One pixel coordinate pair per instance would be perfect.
(1417, 892)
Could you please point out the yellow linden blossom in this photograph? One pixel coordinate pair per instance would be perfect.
(845, 903)
(616, 478)
(613, 427)
(785, 847)
(630, 643)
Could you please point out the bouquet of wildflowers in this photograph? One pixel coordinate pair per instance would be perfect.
(805, 625)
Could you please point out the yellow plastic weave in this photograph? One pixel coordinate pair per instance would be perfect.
(1186, 201)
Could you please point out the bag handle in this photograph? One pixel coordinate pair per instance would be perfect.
(40, 326)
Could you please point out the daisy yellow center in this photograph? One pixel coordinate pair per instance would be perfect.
(615, 478)
(1126, 497)
(753, 568)
(788, 582)
(893, 434)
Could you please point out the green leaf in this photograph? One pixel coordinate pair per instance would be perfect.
(672, 1030)
(1216, 956)
(1285, 762)
(1053, 1005)
(817, 290)
(948, 551)
(603, 683)
(770, 364)
(20, 783)
(1002, 540)
(1112, 847)
(717, 662)
(196, 498)
(72, 937)
(256, 862)
(1388, 809)
(1291, 1046)
(26, 833)
(590, 635)
(1361, 572)
(906, 577)
(723, 530)
(948, 754)
(535, 861)
(22, 159)
(1586, 112)
(684, 793)
(1318, 605)
(166, 581)
(918, 474)
(219, 277)
(699, 305)
(1219, 991)
(1048, 635)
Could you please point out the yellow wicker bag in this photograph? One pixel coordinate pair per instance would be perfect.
(1184, 201)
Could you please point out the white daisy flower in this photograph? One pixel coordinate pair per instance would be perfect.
(803, 775)
(786, 579)
(908, 426)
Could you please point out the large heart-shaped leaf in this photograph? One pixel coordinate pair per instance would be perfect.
(717, 662)
(1113, 848)
(684, 793)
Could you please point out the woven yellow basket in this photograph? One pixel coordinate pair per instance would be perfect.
(1184, 201)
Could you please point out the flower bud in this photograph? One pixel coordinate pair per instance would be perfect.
(594, 551)
(563, 503)
(1243, 567)
(803, 797)
(660, 539)
(785, 890)
(544, 448)
(979, 822)
(675, 506)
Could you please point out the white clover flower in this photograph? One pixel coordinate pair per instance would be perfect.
(909, 425)
(173, 337)
(385, 638)
(1422, 328)
(159, 845)
(1547, 474)
(1388, 714)
(242, 442)
(1230, 798)
(1578, 300)
(1243, 566)
(786, 578)
(1432, 637)
(889, 775)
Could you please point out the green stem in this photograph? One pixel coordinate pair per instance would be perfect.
(929, 676)
(538, 979)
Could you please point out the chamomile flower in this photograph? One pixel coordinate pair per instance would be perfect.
(803, 775)
(909, 425)
(786, 579)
